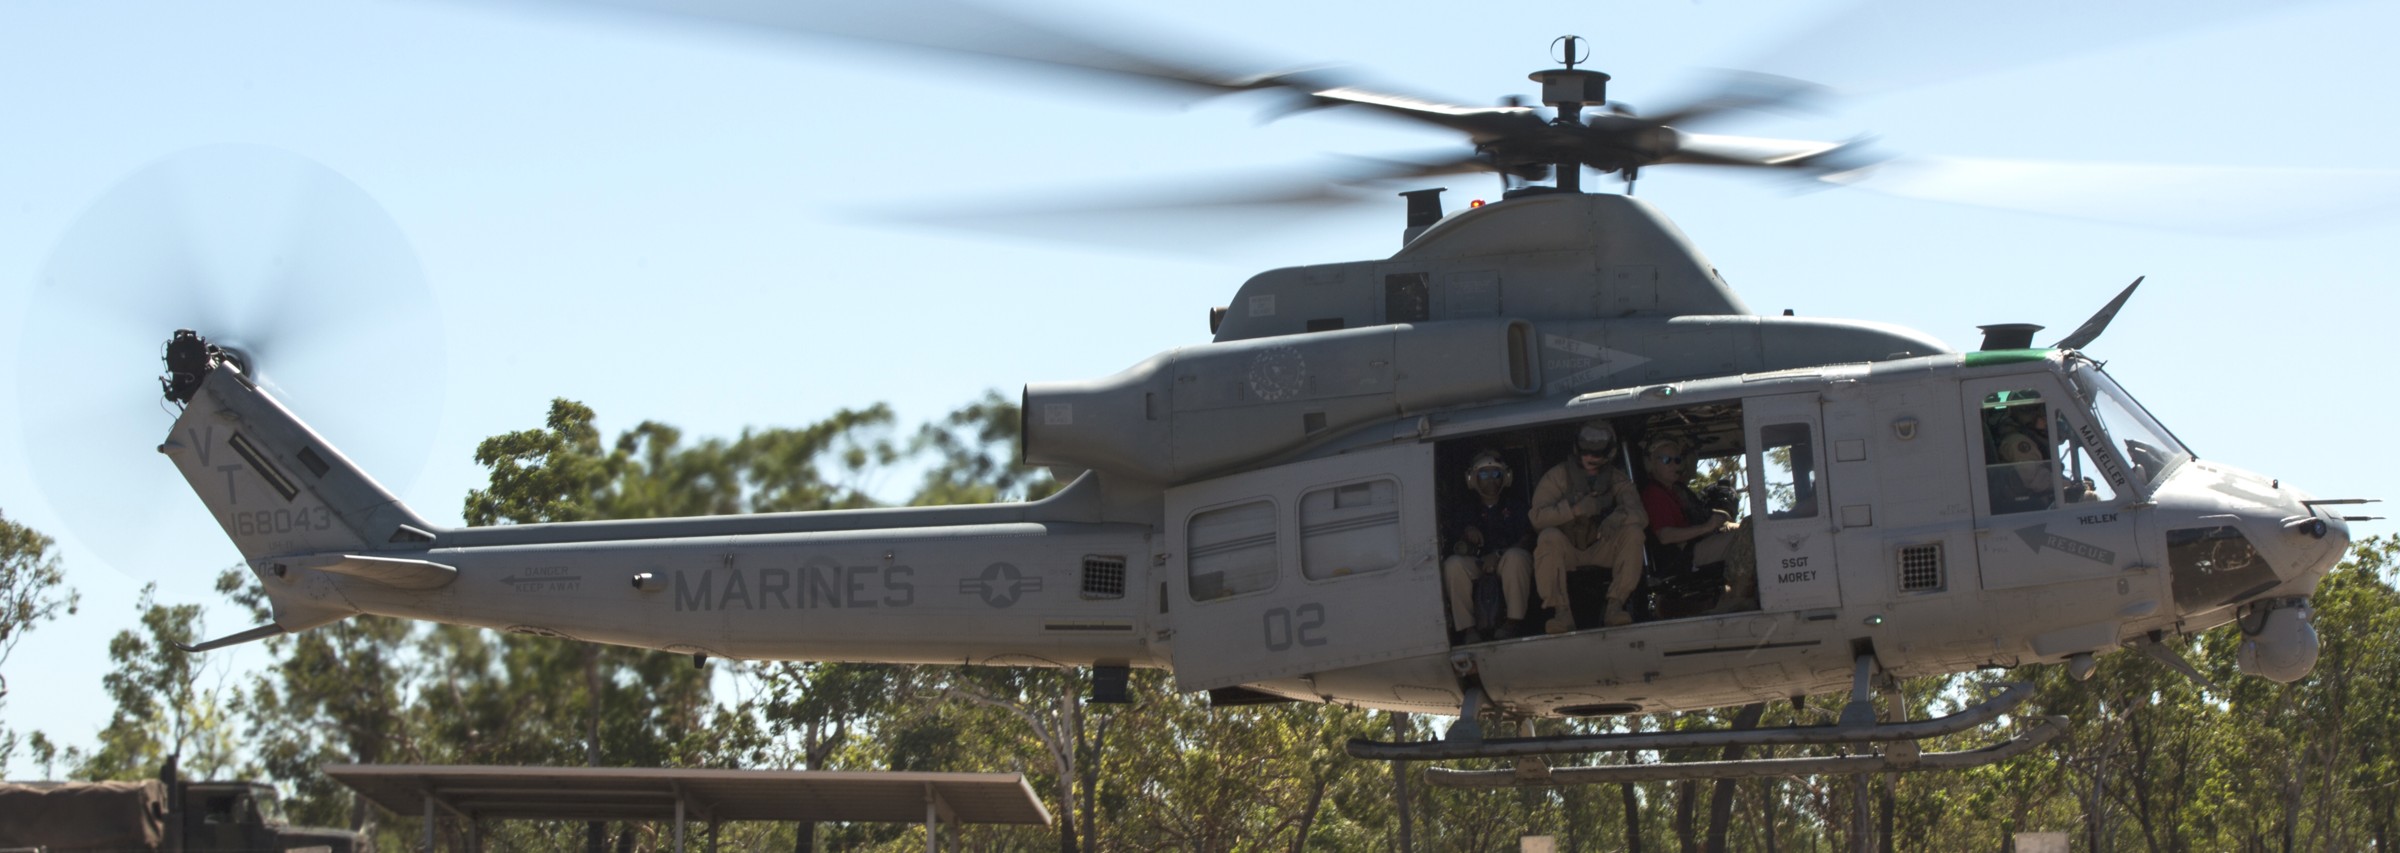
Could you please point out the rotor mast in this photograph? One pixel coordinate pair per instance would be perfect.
(1568, 89)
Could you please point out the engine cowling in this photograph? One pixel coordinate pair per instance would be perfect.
(1197, 410)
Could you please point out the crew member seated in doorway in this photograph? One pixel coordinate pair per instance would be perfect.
(1588, 514)
(1697, 548)
(1491, 536)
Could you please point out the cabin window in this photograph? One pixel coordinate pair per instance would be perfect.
(1349, 530)
(1405, 299)
(1233, 550)
(1789, 478)
(2019, 455)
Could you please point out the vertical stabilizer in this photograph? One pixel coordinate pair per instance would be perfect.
(278, 488)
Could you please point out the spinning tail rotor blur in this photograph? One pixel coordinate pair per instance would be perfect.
(272, 257)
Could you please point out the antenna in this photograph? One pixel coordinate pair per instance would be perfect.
(1567, 89)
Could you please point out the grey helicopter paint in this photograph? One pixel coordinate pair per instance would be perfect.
(1263, 513)
(1313, 455)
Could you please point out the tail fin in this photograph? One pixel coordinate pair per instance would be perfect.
(277, 487)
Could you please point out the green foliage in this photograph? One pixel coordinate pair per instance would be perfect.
(32, 591)
(975, 452)
(162, 707)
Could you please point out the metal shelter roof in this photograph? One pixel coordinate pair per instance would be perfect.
(616, 793)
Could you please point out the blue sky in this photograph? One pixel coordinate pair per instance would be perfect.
(676, 223)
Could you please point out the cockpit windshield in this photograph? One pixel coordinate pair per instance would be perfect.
(2150, 450)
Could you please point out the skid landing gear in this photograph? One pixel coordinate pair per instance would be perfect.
(1876, 746)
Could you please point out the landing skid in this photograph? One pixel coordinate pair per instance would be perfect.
(1843, 733)
(1878, 747)
(1903, 759)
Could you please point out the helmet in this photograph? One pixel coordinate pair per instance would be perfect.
(1488, 460)
(1666, 441)
(1596, 437)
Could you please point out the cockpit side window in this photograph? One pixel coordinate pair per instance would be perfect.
(2150, 451)
(2018, 460)
(2086, 480)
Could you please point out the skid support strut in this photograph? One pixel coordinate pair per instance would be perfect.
(1840, 733)
(2042, 732)
(1878, 746)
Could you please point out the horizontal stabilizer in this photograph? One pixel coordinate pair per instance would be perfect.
(388, 571)
(259, 633)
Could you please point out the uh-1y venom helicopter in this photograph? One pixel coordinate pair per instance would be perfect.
(1265, 513)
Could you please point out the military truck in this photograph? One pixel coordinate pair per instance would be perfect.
(163, 815)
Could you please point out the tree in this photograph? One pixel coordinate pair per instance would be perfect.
(32, 591)
(160, 706)
(336, 694)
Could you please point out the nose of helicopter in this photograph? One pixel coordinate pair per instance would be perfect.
(2244, 546)
(2233, 536)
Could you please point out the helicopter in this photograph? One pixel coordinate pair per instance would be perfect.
(1508, 325)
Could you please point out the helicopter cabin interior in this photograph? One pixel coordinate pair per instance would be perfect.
(1714, 460)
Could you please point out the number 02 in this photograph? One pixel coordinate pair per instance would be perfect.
(1283, 629)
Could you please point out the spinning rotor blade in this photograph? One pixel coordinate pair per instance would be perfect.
(971, 30)
(2249, 200)
(1745, 91)
(1878, 46)
(949, 27)
(1193, 215)
(1709, 149)
(257, 249)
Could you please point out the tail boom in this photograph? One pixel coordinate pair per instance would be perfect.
(1043, 583)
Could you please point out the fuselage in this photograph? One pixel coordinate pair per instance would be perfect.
(1269, 511)
(1898, 537)
(1882, 528)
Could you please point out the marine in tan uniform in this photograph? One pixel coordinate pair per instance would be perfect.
(1588, 514)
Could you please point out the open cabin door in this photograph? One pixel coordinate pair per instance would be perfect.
(1790, 503)
(1304, 567)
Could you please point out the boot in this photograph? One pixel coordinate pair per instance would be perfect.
(1560, 622)
(1615, 615)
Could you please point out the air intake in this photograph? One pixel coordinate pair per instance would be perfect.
(1103, 577)
(2008, 335)
(1921, 568)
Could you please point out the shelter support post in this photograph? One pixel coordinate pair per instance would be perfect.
(937, 813)
(429, 822)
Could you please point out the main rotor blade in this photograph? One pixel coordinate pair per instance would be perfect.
(1479, 123)
(1887, 45)
(1710, 149)
(1743, 91)
(945, 26)
(259, 248)
(1191, 215)
(972, 30)
(2247, 200)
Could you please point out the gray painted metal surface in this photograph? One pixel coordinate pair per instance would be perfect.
(1269, 510)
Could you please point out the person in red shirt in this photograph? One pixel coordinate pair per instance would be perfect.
(1683, 534)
